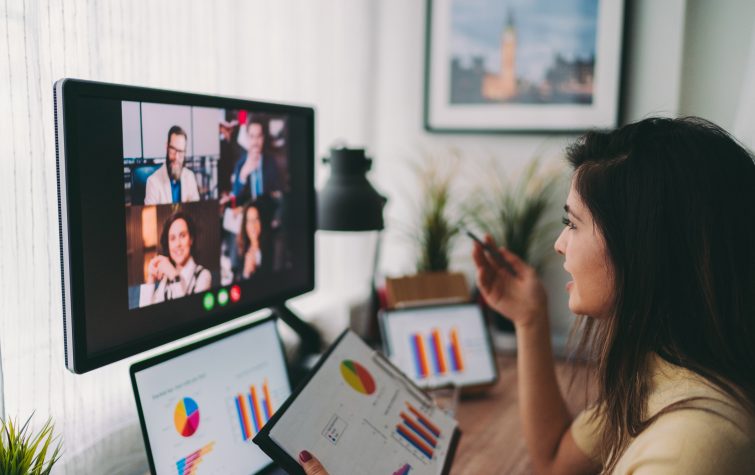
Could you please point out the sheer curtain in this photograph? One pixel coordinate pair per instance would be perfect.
(293, 51)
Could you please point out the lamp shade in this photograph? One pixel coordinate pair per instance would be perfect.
(348, 202)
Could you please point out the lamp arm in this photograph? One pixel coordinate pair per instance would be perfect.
(376, 259)
(311, 341)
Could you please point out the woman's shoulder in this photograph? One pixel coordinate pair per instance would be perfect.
(696, 428)
(673, 387)
(691, 441)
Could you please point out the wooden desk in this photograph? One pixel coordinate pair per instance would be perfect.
(492, 440)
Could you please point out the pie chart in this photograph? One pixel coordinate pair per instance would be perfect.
(186, 417)
(357, 377)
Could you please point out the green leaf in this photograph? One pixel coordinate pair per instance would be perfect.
(515, 212)
(25, 452)
(439, 216)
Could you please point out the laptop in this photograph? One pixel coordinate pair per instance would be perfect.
(200, 406)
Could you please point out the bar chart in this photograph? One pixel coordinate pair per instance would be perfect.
(435, 357)
(416, 431)
(189, 464)
(253, 409)
(404, 470)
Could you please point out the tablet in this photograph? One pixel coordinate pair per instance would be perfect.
(358, 414)
(200, 406)
(440, 345)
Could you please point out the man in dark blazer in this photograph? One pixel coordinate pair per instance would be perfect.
(255, 174)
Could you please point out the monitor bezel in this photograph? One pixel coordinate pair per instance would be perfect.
(161, 358)
(66, 93)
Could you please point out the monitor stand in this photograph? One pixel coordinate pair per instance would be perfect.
(311, 342)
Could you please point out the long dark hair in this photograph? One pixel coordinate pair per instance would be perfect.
(675, 202)
(242, 240)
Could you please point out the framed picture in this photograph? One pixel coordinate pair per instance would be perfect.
(523, 65)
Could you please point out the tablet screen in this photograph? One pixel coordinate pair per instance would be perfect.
(440, 345)
(201, 408)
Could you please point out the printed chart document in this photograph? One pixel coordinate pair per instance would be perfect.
(358, 414)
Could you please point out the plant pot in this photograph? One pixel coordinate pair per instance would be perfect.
(427, 288)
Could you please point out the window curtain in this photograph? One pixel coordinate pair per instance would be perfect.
(317, 53)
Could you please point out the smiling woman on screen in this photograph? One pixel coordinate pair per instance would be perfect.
(173, 273)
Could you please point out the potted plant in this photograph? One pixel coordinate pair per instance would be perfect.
(433, 234)
(439, 217)
(514, 212)
(25, 452)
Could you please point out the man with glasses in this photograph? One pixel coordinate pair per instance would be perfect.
(172, 182)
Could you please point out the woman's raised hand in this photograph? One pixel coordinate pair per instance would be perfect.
(520, 298)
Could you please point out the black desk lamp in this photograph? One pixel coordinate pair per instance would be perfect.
(348, 202)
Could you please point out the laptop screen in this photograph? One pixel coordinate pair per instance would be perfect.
(201, 406)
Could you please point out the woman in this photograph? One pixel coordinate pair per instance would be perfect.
(659, 240)
(175, 275)
(252, 257)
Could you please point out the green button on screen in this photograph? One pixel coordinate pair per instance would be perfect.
(208, 301)
(222, 297)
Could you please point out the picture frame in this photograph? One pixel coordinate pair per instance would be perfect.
(537, 66)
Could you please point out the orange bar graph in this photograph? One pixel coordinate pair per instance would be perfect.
(247, 425)
(418, 429)
(416, 441)
(257, 409)
(268, 404)
(189, 464)
(439, 352)
(456, 348)
(422, 356)
(424, 420)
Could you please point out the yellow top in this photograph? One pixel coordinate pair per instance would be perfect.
(686, 441)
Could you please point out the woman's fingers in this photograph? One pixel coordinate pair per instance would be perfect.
(310, 464)
(494, 261)
(488, 271)
(483, 260)
(516, 262)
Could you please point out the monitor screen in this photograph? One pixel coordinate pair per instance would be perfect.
(205, 403)
(178, 212)
(441, 344)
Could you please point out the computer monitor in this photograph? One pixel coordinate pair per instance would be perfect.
(203, 404)
(177, 212)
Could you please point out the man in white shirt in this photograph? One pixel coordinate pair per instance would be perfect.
(172, 183)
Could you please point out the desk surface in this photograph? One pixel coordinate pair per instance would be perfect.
(492, 440)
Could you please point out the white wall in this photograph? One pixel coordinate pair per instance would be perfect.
(716, 61)
(652, 87)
